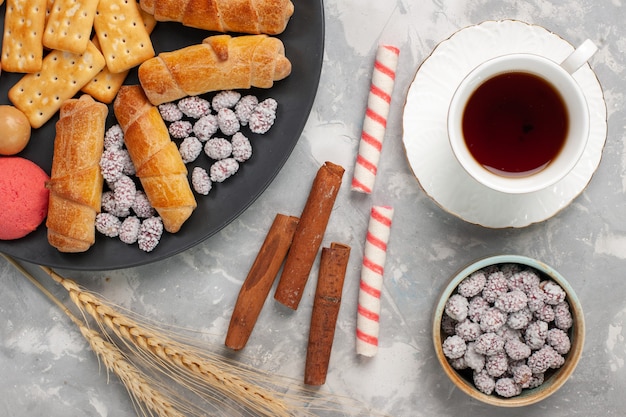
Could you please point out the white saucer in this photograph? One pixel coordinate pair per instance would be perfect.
(426, 139)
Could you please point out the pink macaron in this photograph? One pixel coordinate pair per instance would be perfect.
(23, 197)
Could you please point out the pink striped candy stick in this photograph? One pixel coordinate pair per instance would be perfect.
(374, 254)
(375, 121)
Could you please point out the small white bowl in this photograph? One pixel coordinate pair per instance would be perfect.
(554, 380)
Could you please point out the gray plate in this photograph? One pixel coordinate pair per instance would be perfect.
(304, 46)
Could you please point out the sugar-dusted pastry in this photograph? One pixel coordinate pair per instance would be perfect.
(76, 181)
(243, 16)
(220, 62)
(157, 161)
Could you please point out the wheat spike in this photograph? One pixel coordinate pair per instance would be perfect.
(160, 372)
(138, 387)
(176, 357)
(146, 398)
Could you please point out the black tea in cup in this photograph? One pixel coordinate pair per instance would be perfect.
(515, 123)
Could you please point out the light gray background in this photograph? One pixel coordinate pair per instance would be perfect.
(47, 369)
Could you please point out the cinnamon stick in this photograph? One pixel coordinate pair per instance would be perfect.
(332, 272)
(309, 234)
(257, 285)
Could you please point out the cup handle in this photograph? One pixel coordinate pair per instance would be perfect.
(580, 56)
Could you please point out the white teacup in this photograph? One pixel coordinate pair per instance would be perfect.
(525, 139)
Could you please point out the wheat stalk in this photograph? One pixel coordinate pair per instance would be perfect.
(138, 387)
(146, 398)
(193, 369)
(157, 368)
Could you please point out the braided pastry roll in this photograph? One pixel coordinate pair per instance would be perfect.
(76, 182)
(158, 163)
(243, 16)
(220, 62)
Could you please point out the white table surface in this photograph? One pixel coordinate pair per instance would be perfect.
(48, 369)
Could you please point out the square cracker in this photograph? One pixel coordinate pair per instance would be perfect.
(62, 75)
(104, 86)
(24, 22)
(124, 40)
(69, 25)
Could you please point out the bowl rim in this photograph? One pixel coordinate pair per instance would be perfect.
(556, 380)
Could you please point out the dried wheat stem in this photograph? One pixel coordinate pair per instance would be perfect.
(37, 284)
(174, 354)
(208, 375)
(138, 387)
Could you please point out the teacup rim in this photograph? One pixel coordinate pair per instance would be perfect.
(523, 184)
